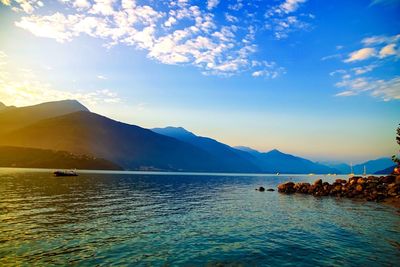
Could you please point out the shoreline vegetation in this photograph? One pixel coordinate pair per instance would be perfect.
(24, 157)
(372, 188)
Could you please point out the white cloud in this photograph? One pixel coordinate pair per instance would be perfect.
(388, 50)
(102, 7)
(379, 46)
(353, 80)
(266, 69)
(380, 39)
(364, 69)
(5, 2)
(56, 26)
(174, 32)
(384, 2)
(362, 54)
(231, 18)
(291, 5)
(81, 4)
(283, 26)
(21, 86)
(281, 21)
(336, 72)
(237, 6)
(331, 57)
(212, 4)
(26, 6)
(101, 77)
(384, 89)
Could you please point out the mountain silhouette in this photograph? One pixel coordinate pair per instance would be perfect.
(15, 118)
(373, 166)
(129, 146)
(227, 155)
(69, 126)
(275, 161)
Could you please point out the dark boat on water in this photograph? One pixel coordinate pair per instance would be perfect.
(65, 173)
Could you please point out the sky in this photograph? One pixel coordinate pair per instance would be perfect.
(318, 79)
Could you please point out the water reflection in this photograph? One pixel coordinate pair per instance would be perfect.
(99, 219)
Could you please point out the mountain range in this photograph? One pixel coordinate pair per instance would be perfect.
(270, 162)
(68, 126)
(371, 166)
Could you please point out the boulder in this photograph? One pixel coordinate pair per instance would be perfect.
(336, 189)
(361, 180)
(373, 178)
(353, 180)
(261, 189)
(270, 189)
(393, 189)
(388, 179)
(318, 182)
(287, 187)
(359, 188)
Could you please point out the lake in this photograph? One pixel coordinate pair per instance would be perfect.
(150, 219)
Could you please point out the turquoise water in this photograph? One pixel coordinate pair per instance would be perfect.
(186, 220)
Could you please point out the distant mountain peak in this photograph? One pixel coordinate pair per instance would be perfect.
(247, 149)
(2, 105)
(68, 103)
(174, 131)
(275, 151)
(179, 128)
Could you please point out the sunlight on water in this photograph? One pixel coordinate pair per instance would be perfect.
(142, 219)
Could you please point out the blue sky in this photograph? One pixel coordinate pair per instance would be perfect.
(314, 78)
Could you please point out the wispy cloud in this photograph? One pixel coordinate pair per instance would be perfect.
(362, 54)
(379, 49)
(364, 69)
(281, 21)
(22, 86)
(388, 50)
(212, 3)
(172, 32)
(290, 6)
(376, 47)
(354, 85)
(101, 77)
(267, 69)
(384, 2)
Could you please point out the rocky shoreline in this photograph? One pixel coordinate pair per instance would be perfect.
(371, 188)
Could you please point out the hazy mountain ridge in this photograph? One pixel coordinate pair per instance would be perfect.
(130, 146)
(275, 161)
(388, 170)
(69, 126)
(4, 108)
(271, 162)
(16, 118)
(371, 166)
(228, 155)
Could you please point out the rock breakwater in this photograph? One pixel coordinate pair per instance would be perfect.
(371, 188)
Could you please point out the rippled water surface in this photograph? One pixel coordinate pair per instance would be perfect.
(189, 220)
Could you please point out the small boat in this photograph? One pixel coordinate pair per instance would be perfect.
(65, 173)
(277, 173)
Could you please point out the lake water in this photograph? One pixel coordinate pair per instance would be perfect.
(186, 220)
